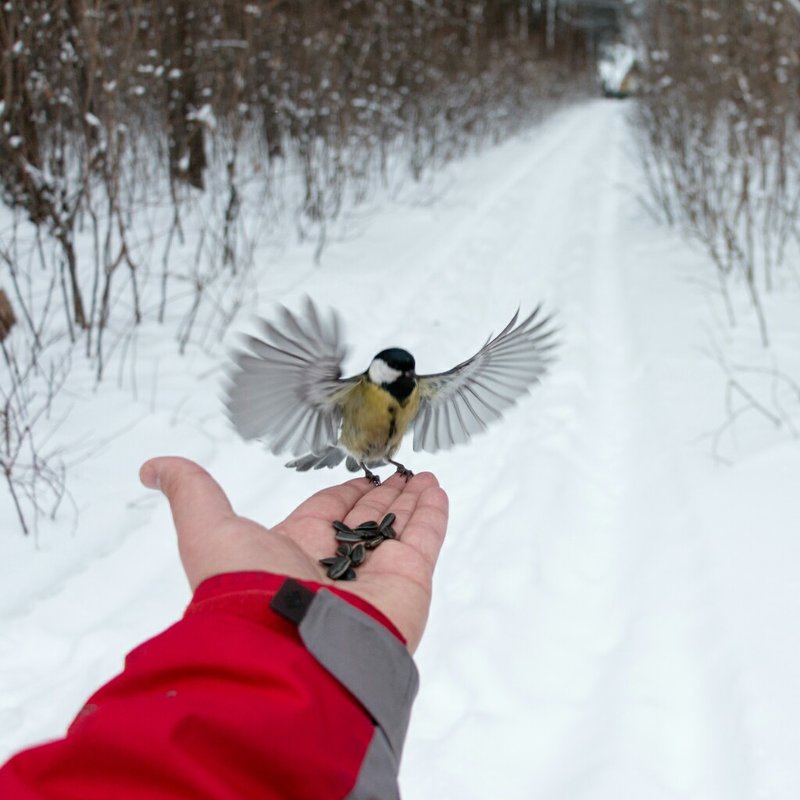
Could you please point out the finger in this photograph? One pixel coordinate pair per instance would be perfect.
(399, 497)
(421, 518)
(426, 526)
(332, 503)
(196, 500)
(375, 504)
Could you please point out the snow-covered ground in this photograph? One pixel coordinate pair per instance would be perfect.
(615, 610)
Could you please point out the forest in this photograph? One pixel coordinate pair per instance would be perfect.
(147, 151)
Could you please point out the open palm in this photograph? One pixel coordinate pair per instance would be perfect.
(396, 577)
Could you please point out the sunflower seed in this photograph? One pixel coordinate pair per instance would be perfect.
(387, 521)
(339, 568)
(358, 554)
(374, 542)
(348, 536)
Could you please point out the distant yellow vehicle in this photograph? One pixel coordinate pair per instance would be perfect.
(618, 71)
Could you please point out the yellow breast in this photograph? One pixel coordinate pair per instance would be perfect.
(374, 422)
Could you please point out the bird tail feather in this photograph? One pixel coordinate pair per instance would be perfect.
(329, 457)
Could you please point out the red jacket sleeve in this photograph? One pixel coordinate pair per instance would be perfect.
(233, 701)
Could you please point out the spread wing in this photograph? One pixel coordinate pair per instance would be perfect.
(286, 387)
(456, 404)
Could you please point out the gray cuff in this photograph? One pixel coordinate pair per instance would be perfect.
(359, 652)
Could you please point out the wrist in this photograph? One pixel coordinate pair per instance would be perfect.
(349, 638)
(248, 595)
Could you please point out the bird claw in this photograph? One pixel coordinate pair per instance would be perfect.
(370, 476)
(402, 470)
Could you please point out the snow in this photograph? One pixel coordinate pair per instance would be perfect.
(615, 607)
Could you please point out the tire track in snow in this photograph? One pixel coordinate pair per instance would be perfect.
(639, 540)
(604, 600)
(471, 244)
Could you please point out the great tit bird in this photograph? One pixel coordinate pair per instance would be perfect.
(288, 390)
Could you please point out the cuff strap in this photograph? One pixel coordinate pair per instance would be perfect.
(358, 651)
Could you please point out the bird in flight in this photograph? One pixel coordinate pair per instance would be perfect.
(286, 388)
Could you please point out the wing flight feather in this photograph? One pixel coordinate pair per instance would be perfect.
(461, 402)
(286, 386)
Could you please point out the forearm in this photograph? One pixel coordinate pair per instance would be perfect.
(237, 701)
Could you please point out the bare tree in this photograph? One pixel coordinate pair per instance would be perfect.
(720, 132)
(146, 148)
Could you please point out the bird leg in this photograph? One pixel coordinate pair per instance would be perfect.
(404, 471)
(370, 476)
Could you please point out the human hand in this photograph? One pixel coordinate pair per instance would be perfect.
(396, 577)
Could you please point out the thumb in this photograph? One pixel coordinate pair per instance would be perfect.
(196, 500)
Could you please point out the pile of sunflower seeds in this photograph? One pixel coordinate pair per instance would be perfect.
(353, 546)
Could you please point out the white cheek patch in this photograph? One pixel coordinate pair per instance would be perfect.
(381, 373)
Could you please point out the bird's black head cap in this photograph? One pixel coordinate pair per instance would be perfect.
(393, 369)
(398, 359)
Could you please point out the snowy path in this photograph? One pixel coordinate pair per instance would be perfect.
(592, 631)
(597, 664)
